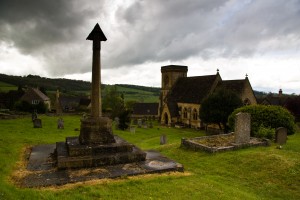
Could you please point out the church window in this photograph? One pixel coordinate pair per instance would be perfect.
(195, 114)
(184, 113)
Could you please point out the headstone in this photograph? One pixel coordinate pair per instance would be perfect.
(117, 122)
(132, 129)
(34, 115)
(37, 123)
(145, 125)
(242, 128)
(163, 139)
(139, 123)
(281, 135)
(150, 124)
(60, 123)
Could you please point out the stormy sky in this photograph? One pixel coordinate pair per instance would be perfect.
(260, 38)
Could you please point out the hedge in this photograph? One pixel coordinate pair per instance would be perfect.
(270, 117)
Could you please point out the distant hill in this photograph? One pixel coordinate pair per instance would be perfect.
(77, 87)
(47, 83)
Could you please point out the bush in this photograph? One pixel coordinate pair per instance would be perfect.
(266, 116)
(263, 132)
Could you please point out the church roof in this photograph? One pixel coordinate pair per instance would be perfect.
(236, 86)
(192, 89)
(145, 109)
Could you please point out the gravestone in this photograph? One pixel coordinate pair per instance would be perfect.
(150, 124)
(281, 135)
(139, 123)
(145, 125)
(34, 116)
(60, 123)
(242, 128)
(117, 122)
(37, 123)
(163, 139)
(132, 129)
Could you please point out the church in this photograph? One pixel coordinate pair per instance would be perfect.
(181, 96)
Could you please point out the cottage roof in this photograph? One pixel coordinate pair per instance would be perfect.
(192, 89)
(34, 94)
(145, 109)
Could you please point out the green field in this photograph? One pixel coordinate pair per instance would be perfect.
(5, 87)
(254, 173)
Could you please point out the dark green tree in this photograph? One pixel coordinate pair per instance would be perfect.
(124, 119)
(216, 108)
(113, 101)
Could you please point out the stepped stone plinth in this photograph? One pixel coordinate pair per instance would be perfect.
(73, 154)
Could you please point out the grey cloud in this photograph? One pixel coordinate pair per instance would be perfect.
(35, 24)
(147, 31)
(176, 30)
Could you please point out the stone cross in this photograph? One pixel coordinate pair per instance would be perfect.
(96, 36)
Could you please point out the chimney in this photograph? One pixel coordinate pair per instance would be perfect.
(280, 93)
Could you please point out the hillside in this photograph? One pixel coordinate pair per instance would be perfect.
(77, 88)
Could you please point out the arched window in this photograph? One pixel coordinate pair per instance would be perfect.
(247, 102)
(195, 114)
(184, 113)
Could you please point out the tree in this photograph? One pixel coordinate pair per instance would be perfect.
(218, 106)
(124, 119)
(113, 101)
(293, 105)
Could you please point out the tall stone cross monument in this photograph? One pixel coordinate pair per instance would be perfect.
(96, 36)
(96, 129)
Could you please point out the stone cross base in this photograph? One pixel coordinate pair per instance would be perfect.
(96, 131)
(72, 154)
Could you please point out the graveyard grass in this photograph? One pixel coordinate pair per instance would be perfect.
(253, 173)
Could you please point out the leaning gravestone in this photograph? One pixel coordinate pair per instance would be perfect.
(163, 139)
(37, 123)
(281, 135)
(242, 128)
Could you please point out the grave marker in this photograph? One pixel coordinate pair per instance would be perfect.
(242, 128)
(281, 135)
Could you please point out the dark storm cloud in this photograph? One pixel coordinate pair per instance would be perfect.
(48, 30)
(35, 24)
(147, 31)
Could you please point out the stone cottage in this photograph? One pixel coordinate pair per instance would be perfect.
(34, 96)
(181, 96)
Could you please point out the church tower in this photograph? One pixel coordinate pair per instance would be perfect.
(169, 76)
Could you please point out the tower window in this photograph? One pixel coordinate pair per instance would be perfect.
(166, 80)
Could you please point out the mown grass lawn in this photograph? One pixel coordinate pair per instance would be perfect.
(254, 173)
